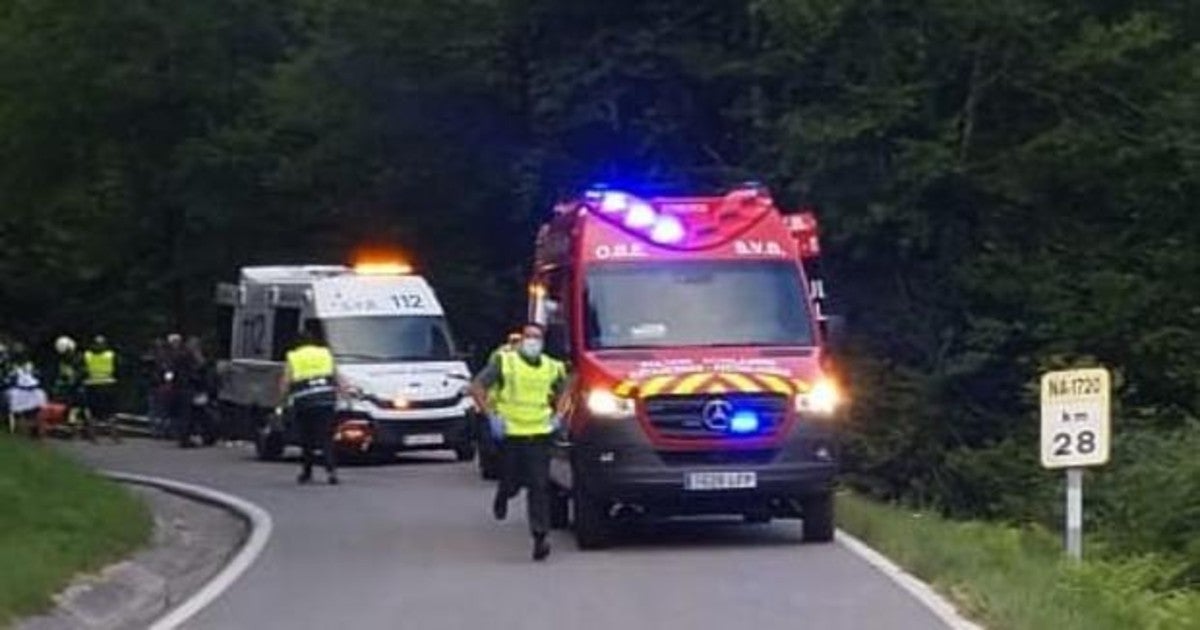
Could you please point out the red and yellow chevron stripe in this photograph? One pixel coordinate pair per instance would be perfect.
(710, 383)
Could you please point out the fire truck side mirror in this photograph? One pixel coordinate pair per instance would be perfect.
(833, 331)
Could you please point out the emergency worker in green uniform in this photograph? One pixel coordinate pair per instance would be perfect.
(66, 386)
(311, 386)
(100, 384)
(520, 392)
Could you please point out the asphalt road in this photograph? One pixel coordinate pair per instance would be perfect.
(413, 545)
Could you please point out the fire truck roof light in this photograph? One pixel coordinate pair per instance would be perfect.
(640, 215)
(668, 230)
(613, 202)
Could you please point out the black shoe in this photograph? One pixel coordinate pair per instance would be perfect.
(500, 506)
(333, 480)
(541, 548)
(304, 477)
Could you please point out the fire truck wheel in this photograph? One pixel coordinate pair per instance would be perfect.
(592, 525)
(817, 515)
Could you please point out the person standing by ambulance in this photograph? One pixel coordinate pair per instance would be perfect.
(520, 393)
(100, 385)
(310, 383)
(66, 386)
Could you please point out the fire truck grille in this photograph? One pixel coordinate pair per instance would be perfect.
(710, 416)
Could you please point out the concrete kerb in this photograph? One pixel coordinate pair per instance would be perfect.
(922, 592)
(260, 532)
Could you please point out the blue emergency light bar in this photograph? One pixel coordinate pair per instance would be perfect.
(744, 422)
(638, 215)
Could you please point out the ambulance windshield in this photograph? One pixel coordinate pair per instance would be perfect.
(720, 303)
(388, 339)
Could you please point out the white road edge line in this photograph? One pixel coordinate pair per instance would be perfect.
(924, 593)
(261, 526)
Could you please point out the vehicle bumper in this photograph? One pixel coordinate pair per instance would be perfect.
(410, 435)
(622, 466)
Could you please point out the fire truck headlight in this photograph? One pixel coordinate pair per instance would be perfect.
(604, 403)
(824, 399)
(744, 422)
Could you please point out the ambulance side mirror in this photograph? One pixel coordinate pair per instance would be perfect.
(833, 332)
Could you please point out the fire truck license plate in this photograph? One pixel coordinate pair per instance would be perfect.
(423, 439)
(720, 480)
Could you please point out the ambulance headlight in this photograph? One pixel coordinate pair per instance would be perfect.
(603, 403)
(824, 399)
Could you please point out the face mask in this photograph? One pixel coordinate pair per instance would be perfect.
(531, 347)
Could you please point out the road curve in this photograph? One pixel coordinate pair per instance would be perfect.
(413, 545)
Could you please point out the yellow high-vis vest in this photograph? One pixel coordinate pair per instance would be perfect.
(310, 370)
(101, 367)
(524, 399)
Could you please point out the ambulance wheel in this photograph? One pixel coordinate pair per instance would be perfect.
(593, 529)
(464, 452)
(269, 446)
(817, 515)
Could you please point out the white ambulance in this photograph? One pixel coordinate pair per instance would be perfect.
(403, 380)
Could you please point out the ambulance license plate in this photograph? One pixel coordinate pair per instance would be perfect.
(424, 439)
(720, 481)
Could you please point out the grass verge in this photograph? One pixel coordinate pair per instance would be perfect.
(1013, 578)
(57, 519)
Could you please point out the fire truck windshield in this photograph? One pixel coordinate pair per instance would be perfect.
(672, 304)
(386, 339)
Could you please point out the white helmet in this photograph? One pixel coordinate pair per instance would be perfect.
(64, 344)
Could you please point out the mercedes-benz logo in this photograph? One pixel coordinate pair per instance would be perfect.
(716, 414)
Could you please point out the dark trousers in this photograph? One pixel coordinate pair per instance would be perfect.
(102, 401)
(526, 463)
(182, 418)
(102, 405)
(315, 425)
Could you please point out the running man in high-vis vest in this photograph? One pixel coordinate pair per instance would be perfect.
(100, 384)
(311, 386)
(520, 392)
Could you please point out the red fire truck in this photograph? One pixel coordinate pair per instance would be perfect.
(701, 378)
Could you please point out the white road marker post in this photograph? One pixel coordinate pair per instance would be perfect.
(1075, 513)
(1076, 427)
